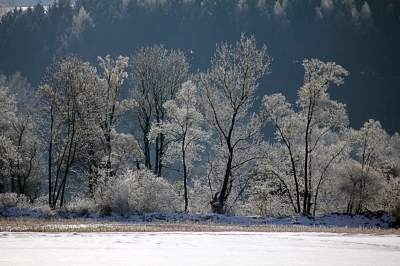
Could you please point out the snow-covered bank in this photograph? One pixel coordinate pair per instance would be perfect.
(366, 220)
(197, 249)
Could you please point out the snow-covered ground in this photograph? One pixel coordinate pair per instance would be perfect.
(367, 220)
(230, 248)
(205, 248)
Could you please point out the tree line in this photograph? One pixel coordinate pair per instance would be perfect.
(182, 141)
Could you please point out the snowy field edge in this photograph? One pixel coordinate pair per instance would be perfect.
(367, 220)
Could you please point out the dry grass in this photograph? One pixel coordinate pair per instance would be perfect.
(86, 226)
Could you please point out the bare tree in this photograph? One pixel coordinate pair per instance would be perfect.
(304, 134)
(113, 76)
(365, 173)
(25, 172)
(66, 95)
(156, 76)
(183, 128)
(228, 92)
(8, 151)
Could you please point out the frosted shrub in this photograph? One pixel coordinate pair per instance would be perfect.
(149, 193)
(42, 208)
(80, 205)
(268, 198)
(391, 198)
(361, 189)
(269, 205)
(136, 191)
(8, 200)
(200, 195)
(21, 206)
(42, 201)
(241, 208)
(13, 200)
(120, 197)
(104, 195)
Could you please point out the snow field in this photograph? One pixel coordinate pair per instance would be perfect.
(229, 248)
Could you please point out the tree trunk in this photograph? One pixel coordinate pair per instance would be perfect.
(160, 155)
(50, 151)
(224, 190)
(185, 175)
(147, 161)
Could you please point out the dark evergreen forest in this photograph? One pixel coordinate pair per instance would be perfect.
(363, 36)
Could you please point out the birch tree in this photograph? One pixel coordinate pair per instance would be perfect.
(228, 92)
(182, 129)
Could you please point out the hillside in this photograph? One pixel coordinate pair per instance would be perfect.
(362, 36)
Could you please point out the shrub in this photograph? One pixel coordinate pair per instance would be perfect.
(13, 200)
(149, 193)
(80, 205)
(8, 200)
(199, 195)
(136, 191)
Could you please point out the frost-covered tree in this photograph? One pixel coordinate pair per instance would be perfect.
(366, 174)
(74, 38)
(79, 22)
(371, 144)
(8, 107)
(156, 76)
(331, 152)
(8, 151)
(304, 133)
(320, 112)
(283, 162)
(125, 151)
(228, 92)
(183, 132)
(274, 192)
(113, 75)
(391, 169)
(81, 110)
(70, 115)
(25, 170)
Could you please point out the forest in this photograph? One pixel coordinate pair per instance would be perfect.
(257, 107)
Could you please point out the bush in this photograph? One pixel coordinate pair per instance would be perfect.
(8, 200)
(81, 205)
(391, 197)
(199, 195)
(136, 191)
(13, 200)
(149, 193)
